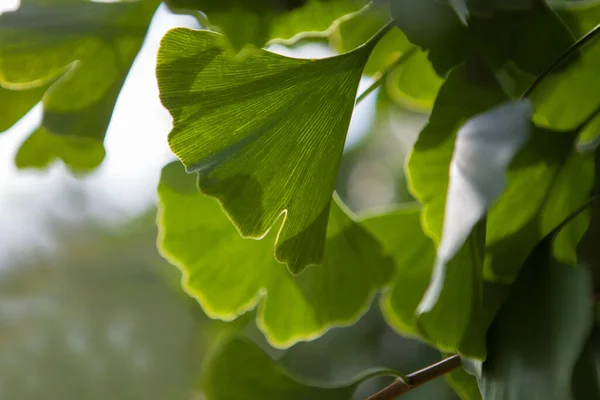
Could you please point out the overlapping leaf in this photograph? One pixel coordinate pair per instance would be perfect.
(539, 333)
(240, 368)
(532, 39)
(484, 148)
(413, 253)
(229, 275)
(566, 99)
(83, 50)
(265, 132)
(257, 22)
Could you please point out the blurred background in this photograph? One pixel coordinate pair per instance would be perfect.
(89, 310)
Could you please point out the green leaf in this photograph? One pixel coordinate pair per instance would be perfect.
(414, 83)
(567, 98)
(413, 253)
(15, 104)
(260, 21)
(531, 36)
(229, 275)
(41, 148)
(454, 305)
(464, 94)
(464, 384)
(83, 50)
(265, 132)
(563, 182)
(241, 370)
(352, 32)
(540, 332)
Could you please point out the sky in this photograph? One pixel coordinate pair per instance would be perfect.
(136, 149)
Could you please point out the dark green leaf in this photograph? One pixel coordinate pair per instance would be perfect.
(531, 36)
(241, 370)
(229, 275)
(265, 132)
(586, 375)
(540, 332)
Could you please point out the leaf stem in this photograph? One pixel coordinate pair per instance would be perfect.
(553, 66)
(418, 378)
(382, 75)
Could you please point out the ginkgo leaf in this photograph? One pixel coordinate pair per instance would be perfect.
(529, 34)
(483, 150)
(568, 97)
(14, 104)
(257, 22)
(413, 254)
(540, 332)
(477, 157)
(463, 95)
(41, 148)
(229, 275)
(264, 131)
(563, 182)
(82, 50)
(240, 369)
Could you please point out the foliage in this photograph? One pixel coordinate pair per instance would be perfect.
(488, 260)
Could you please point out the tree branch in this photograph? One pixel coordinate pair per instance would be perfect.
(416, 379)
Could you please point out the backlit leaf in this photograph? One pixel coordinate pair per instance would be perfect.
(229, 275)
(41, 148)
(413, 253)
(15, 104)
(257, 22)
(265, 132)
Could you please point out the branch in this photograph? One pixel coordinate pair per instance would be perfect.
(416, 379)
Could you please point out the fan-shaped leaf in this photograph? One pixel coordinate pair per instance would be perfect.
(265, 132)
(229, 275)
(257, 22)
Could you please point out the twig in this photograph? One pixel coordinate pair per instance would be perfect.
(382, 75)
(552, 67)
(416, 379)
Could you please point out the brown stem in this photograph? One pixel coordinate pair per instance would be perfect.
(416, 379)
